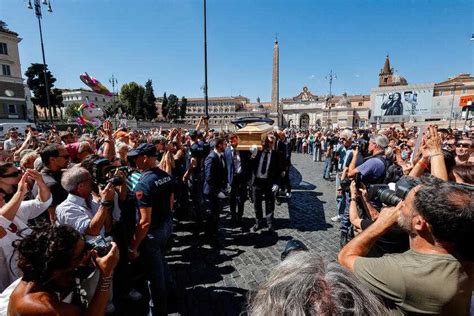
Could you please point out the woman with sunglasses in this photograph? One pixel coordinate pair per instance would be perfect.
(14, 217)
(464, 152)
(9, 178)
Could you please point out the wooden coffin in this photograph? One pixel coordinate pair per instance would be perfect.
(253, 134)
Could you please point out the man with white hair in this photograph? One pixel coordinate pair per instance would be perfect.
(79, 210)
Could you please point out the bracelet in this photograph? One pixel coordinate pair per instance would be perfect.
(423, 164)
(105, 283)
(438, 154)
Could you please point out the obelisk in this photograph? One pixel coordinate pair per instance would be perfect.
(276, 85)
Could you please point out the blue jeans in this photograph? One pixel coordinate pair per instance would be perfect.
(327, 167)
(317, 153)
(343, 209)
(157, 270)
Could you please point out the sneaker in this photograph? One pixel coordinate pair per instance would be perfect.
(336, 218)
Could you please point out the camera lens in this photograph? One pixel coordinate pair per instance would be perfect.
(388, 197)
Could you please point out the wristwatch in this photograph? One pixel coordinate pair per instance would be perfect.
(107, 203)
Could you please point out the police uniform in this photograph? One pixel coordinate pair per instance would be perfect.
(154, 190)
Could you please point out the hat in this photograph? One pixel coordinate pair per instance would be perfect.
(143, 149)
(120, 134)
(380, 140)
(291, 246)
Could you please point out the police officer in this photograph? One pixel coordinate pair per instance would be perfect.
(154, 195)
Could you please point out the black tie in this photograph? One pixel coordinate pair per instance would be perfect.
(264, 164)
(222, 160)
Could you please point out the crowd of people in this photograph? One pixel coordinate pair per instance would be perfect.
(81, 212)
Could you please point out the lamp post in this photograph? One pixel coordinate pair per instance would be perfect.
(206, 104)
(330, 77)
(452, 105)
(39, 15)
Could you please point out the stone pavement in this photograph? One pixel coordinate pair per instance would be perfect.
(212, 283)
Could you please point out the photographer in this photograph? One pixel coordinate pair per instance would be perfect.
(393, 241)
(49, 258)
(80, 210)
(434, 276)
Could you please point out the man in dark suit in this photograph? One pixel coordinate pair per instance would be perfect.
(265, 177)
(284, 154)
(215, 184)
(237, 176)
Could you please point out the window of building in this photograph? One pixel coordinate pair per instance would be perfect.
(464, 91)
(11, 109)
(6, 70)
(3, 48)
(385, 80)
(96, 99)
(360, 103)
(103, 99)
(441, 93)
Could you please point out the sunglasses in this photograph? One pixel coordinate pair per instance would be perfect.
(12, 175)
(463, 145)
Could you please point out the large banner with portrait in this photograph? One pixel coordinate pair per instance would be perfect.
(403, 101)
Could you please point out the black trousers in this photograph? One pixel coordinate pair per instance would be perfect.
(214, 206)
(238, 195)
(262, 190)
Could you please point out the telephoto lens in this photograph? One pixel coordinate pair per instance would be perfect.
(388, 197)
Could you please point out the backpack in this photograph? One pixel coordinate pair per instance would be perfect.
(393, 172)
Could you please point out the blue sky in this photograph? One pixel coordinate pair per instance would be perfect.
(163, 40)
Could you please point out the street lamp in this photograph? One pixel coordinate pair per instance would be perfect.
(206, 99)
(330, 77)
(38, 14)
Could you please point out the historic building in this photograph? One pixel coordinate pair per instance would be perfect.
(74, 96)
(307, 110)
(12, 88)
(222, 110)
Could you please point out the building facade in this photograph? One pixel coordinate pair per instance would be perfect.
(12, 88)
(79, 96)
(307, 111)
(222, 110)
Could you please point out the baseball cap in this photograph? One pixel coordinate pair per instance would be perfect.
(380, 140)
(158, 140)
(143, 149)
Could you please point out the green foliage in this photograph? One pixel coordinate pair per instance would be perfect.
(164, 106)
(183, 106)
(150, 100)
(35, 81)
(173, 107)
(131, 95)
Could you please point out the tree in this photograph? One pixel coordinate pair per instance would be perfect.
(164, 106)
(183, 106)
(173, 107)
(131, 94)
(112, 107)
(150, 100)
(35, 81)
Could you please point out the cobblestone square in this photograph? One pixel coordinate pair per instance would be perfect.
(213, 283)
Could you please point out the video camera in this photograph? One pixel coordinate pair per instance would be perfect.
(384, 194)
(101, 169)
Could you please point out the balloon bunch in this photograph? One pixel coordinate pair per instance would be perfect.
(95, 84)
(87, 115)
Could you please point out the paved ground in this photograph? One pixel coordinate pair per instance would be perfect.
(213, 283)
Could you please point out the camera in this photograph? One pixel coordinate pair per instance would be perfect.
(100, 244)
(355, 144)
(390, 197)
